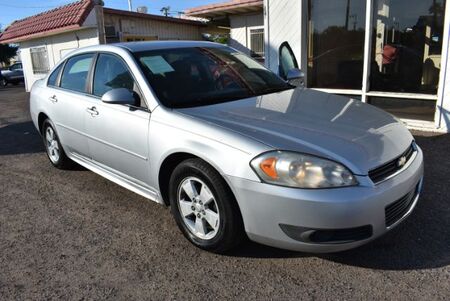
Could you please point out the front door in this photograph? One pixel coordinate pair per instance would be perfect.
(118, 134)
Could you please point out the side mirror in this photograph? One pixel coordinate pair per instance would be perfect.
(120, 96)
(296, 77)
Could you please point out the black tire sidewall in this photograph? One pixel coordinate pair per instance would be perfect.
(222, 195)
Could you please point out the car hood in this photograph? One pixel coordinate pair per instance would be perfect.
(346, 130)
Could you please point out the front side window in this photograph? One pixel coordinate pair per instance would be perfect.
(75, 73)
(111, 73)
(287, 60)
(187, 77)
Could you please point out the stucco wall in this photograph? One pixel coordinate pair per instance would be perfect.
(283, 21)
(240, 25)
(57, 47)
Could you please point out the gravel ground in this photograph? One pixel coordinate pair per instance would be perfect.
(74, 235)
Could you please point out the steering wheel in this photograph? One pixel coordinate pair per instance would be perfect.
(224, 81)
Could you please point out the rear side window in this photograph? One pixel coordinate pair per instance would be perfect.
(75, 73)
(52, 79)
(111, 73)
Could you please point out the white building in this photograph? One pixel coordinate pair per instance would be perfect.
(47, 37)
(390, 53)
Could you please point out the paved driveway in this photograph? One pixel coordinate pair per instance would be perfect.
(74, 235)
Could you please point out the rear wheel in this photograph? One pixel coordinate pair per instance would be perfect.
(3, 82)
(55, 152)
(204, 207)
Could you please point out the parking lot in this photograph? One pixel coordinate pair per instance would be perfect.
(74, 235)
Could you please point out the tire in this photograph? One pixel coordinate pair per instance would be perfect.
(228, 232)
(3, 82)
(53, 147)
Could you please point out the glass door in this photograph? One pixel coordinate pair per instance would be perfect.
(386, 51)
(336, 31)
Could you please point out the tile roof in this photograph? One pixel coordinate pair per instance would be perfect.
(223, 7)
(66, 17)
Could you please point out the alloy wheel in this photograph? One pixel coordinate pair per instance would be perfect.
(198, 208)
(52, 145)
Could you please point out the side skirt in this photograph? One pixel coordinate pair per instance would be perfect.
(136, 188)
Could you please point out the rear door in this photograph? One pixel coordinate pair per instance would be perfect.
(118, 134)
(67, 94)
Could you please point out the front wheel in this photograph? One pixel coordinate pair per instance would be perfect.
(204, 207)
(3, 82)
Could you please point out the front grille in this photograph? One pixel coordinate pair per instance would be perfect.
(395, 211)
(381, 173)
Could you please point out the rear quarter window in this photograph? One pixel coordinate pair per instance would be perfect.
(52, 79)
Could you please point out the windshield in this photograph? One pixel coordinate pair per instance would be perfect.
(188, 77)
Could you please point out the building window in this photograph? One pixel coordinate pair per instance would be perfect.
(39, 60)
(257, 43)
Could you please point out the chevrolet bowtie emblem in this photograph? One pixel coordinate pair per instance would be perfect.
(401, 162)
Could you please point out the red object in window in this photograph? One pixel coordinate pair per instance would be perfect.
(390, 54)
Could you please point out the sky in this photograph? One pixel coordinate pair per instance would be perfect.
(19, 9)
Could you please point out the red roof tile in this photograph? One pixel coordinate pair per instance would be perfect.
(56, 20)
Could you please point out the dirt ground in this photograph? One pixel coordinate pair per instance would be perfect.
(74, 235)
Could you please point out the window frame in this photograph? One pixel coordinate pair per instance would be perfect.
(91, 76)
(64, 68)
(58, 78)
(249, 42)
(32, 49)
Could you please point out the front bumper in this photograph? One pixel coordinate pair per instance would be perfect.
(265, 207)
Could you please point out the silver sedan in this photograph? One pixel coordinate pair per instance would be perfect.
(233, 149)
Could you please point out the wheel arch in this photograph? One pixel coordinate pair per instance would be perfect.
(41, 118)
(168, 165)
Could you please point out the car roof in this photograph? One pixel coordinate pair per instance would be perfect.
(157, 45)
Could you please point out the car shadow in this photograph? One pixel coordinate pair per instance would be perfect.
(23, 138)
(20, 138)
(422, 241)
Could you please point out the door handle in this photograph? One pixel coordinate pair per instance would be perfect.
(93, 111)
(53, 99)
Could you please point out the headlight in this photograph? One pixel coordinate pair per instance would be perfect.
(302, 171)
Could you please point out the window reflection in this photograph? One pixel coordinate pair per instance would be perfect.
(406, 46)
(336, 43)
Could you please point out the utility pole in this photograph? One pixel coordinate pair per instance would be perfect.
(130, 6)
(165, 10)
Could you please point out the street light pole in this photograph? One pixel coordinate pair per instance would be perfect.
(130, 6)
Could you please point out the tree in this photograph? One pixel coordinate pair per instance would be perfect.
(7, 52)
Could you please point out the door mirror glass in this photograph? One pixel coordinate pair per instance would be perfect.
(120, 96)
(296, 77)
(287, 60)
